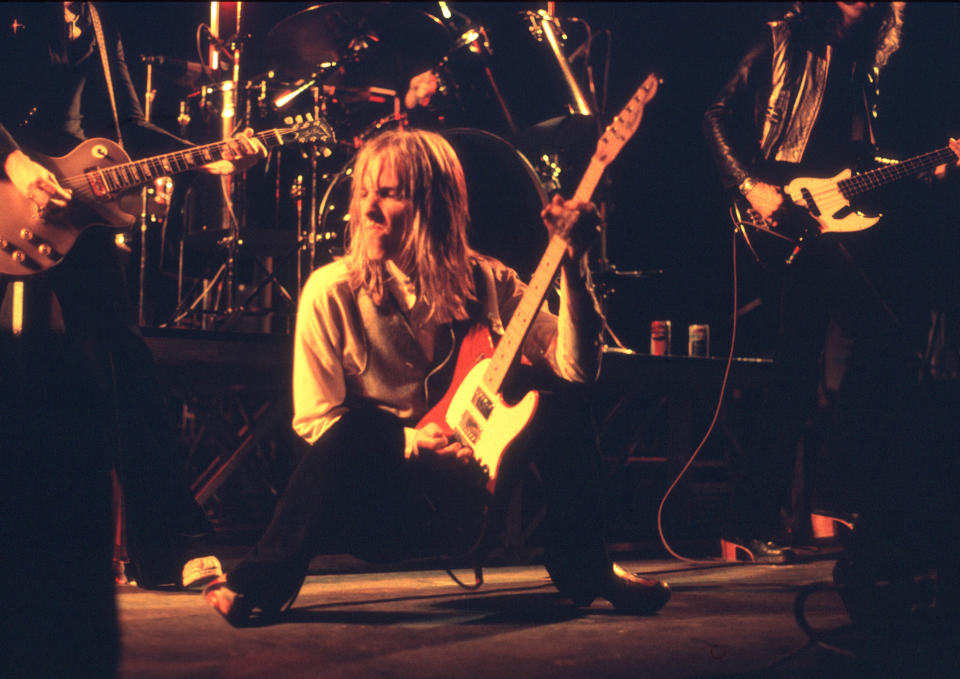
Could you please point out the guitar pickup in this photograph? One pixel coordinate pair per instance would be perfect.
(811, 203)
(482, 403)
(98, 184)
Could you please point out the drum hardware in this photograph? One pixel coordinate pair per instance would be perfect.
(142, 280)
(185, 74)
(549, 171)
(302, 85)
(183, 119)
(474, 39)
(154, 200)
(377, 38)
(546, 27)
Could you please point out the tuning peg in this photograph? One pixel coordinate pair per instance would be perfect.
(288, 120)
(309, 117)
(299, 119)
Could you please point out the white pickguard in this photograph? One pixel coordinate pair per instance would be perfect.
(829, 201)
(488, 436)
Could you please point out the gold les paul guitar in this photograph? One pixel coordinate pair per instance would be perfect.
(473, 410)
(816, 206)
(105, 185)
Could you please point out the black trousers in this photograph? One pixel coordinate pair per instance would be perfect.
(354, 490)
(841, 360)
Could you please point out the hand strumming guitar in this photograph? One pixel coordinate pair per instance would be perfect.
(35, 181)
(766, 199)
(431, 438)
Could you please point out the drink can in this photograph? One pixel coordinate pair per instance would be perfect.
(698, 340)
(659, 338)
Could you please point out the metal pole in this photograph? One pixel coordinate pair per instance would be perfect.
(147, 109)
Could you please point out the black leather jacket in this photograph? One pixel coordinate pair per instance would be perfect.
(767, 109)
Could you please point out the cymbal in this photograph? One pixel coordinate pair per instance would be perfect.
(369, 41)
(559, 134)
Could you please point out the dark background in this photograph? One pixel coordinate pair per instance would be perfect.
(666, 210)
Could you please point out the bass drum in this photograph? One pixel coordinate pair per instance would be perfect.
(505, 197)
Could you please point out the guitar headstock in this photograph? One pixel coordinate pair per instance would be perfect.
(310, 131)
(626, 122)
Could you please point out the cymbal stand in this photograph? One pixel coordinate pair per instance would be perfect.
(229, 188)
(546, 28)
(314, 190)
(144, 210)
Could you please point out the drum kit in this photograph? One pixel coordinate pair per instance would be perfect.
(244, 248)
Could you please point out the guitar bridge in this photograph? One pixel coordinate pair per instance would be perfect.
(469, 428)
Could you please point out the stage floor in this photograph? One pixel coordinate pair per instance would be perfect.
(723, 620)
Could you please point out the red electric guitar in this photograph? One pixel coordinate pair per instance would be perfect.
(473, 410)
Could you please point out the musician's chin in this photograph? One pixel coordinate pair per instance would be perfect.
(381, 244)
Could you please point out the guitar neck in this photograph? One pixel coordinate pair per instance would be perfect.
(881, 176)
(611, 141)
(139, 172)
(522, 319)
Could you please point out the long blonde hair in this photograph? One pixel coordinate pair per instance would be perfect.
(434, 251)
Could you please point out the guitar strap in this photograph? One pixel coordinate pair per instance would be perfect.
(101, 43)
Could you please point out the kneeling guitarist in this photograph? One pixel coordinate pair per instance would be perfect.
(376, 331)
(804, 98)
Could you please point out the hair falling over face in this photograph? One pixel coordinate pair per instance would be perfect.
(433, 249)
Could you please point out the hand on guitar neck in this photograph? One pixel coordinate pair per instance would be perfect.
(576, 221)
(241, 152)
(941, 171)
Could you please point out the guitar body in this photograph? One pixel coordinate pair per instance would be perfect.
(32, 241)
(825, 203)
(106, 192)
(473, 411)
(812, 206)
(470, 412)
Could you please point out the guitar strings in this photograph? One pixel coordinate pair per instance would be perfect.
(80, 184)
(871, 179)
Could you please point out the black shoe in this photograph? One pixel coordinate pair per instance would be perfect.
(632, 593)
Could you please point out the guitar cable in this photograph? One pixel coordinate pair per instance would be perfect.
(713, 422)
